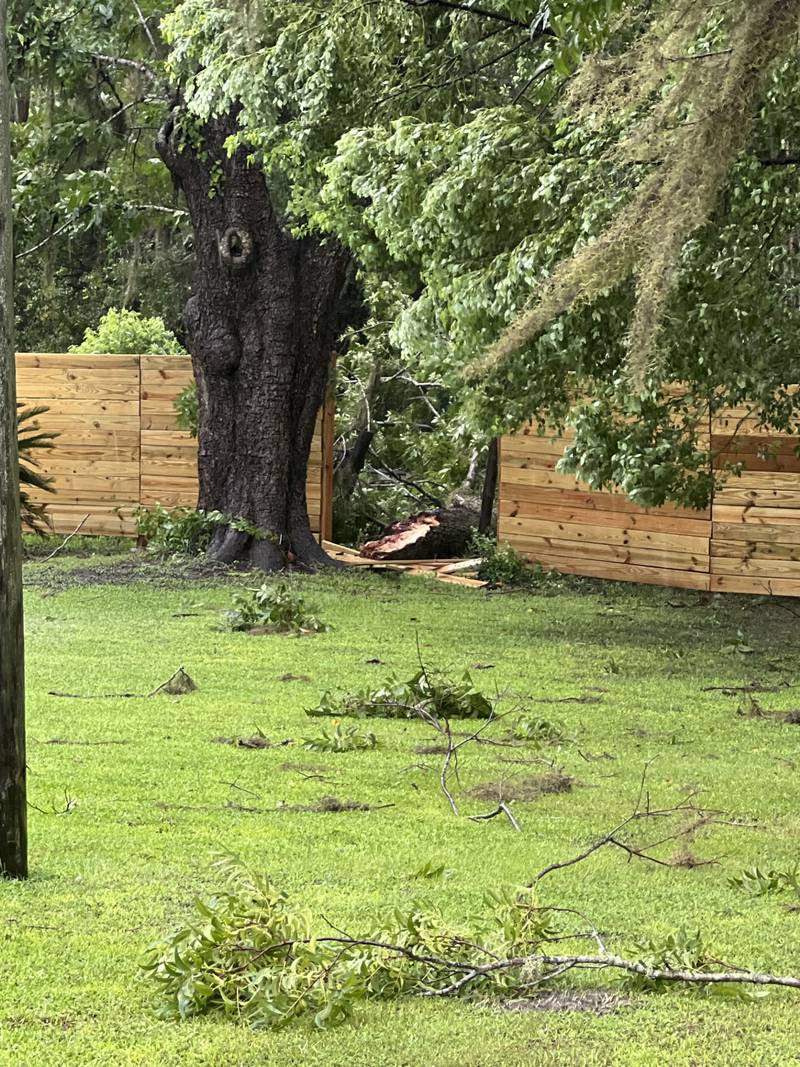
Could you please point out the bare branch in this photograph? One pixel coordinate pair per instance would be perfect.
(480, 12)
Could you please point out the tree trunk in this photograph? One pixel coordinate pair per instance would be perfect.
(265, 313)
(13, 803)
(489, 488)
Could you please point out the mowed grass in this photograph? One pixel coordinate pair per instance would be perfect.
(148, 814)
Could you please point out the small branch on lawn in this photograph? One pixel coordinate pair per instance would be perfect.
(469, 972)
(702, 818)
(66, 540)
(501, 809)
(603, 961)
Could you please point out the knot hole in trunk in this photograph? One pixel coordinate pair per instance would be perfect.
(236, 248)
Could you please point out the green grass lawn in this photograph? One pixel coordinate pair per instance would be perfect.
(148, 813)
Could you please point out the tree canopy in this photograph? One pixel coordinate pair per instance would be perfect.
(599, 195)
(98, 222)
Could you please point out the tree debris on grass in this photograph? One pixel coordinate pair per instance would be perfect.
(328, 804)
(425, 694)
(179, 683)
(750, 708)
(69, 741)
(257, 740)
(251, 951)
(524, 790)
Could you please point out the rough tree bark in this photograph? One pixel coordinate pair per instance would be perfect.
(13, 805)
(264, 316)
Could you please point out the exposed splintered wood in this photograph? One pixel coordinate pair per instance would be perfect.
(13, 803)
(444, 533)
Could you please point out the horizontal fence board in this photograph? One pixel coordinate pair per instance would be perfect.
(728, 583)
(644, 557)
(75, 362)
(754, 549)
(47, 386)
(64, 518)
(603, 534)
(623, 572)
(587, 499)
(739, 531)
(754, 444)
(763, 498)
(83, 407)
(624, 520)
(160, 420)
(785, 462)
(757, 516)
(514, 474)
(100, 449)
(530, 446)
(756, 567)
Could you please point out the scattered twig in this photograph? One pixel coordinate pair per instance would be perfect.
(70, 804)
(639, 813)
(97, 696)
(66, 540)
(501, 809)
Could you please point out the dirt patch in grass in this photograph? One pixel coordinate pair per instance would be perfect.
(523, 789)
(303, 768)
(326, 805)
(596, 1001)
(750, 708)
(137, 569)
(256, 741)
(69, 741)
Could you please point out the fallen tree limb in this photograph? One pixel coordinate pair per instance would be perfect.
(66, 540)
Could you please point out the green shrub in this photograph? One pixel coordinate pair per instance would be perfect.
(125, 332)
(185, 531)
(501, 564)
(177, 531)
(424, 695)
(186, 409)
(276, 609)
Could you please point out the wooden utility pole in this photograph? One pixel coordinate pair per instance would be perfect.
(13, 803)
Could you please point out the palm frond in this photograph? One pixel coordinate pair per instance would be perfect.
(32, 440)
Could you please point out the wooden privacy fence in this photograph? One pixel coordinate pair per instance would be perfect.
(747, 541)
(119, 445)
